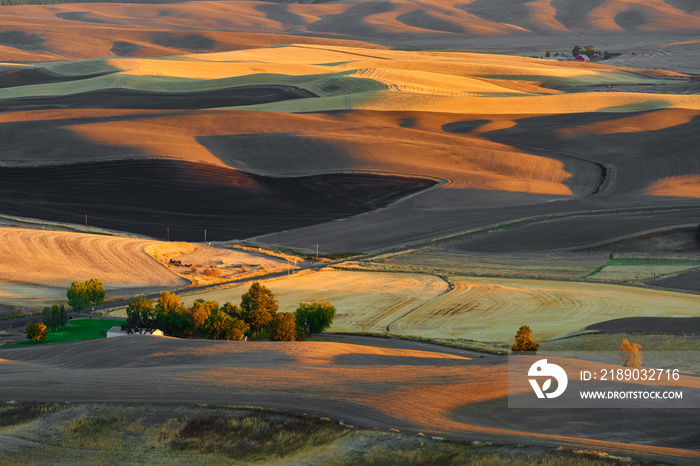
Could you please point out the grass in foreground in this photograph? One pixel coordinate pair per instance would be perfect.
(109, 434)
(75, 330)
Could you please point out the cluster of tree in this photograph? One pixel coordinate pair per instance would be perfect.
(54, 316)
(256, 317)
(591, 52)
(524, 341)
(81, 295)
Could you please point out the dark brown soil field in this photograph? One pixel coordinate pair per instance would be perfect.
(576, 231)
(685, 281)
(29, 77)
(130, 99)
(675, 325)
(148, 196)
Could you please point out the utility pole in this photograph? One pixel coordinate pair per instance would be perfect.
(316, 251)
(167, 233)
(205, 235)
(85, 222)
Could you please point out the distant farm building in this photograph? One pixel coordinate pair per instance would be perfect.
(583, 57)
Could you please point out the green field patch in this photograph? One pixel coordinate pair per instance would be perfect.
(76, 330)
(647, 106)
(588, 79)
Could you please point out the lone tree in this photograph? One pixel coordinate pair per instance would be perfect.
(523, 341)
(36, 331)
(284, 327)
(314, 317)
(258, 306)
(630, 354)
(81, 295)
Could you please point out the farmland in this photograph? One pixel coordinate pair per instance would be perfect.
(482, 309)
(476, 176)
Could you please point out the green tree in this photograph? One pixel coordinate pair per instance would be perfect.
(284, 327)
(140, 316)
(314, 317)
(172, 317)
(523, 340)
(63, 319)
(36, 331)
(547, 54)
(221, 326)
(590, 50)
(232, 310)
(47, 317)
(630, 354)
(96, 291)
(54, 316)
(258, 306)
(576, 51)
(78, 297)
(81, 295)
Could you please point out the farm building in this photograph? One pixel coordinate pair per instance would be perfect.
(583, 57)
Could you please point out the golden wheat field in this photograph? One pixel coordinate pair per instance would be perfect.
(483, 309)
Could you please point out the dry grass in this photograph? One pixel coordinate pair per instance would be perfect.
(203, 435)
(204, 264)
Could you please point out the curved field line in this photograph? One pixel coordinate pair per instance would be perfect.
(31, 258)
(484, 309)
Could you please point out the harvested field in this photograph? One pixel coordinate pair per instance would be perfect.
(178, 196)
(445, 392)
(369, 300)
(482, 309)
(167, 28)
(451, 261)
(43, 264)
(507, 138)
(205, 264)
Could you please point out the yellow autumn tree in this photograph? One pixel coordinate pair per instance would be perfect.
(630, 354)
